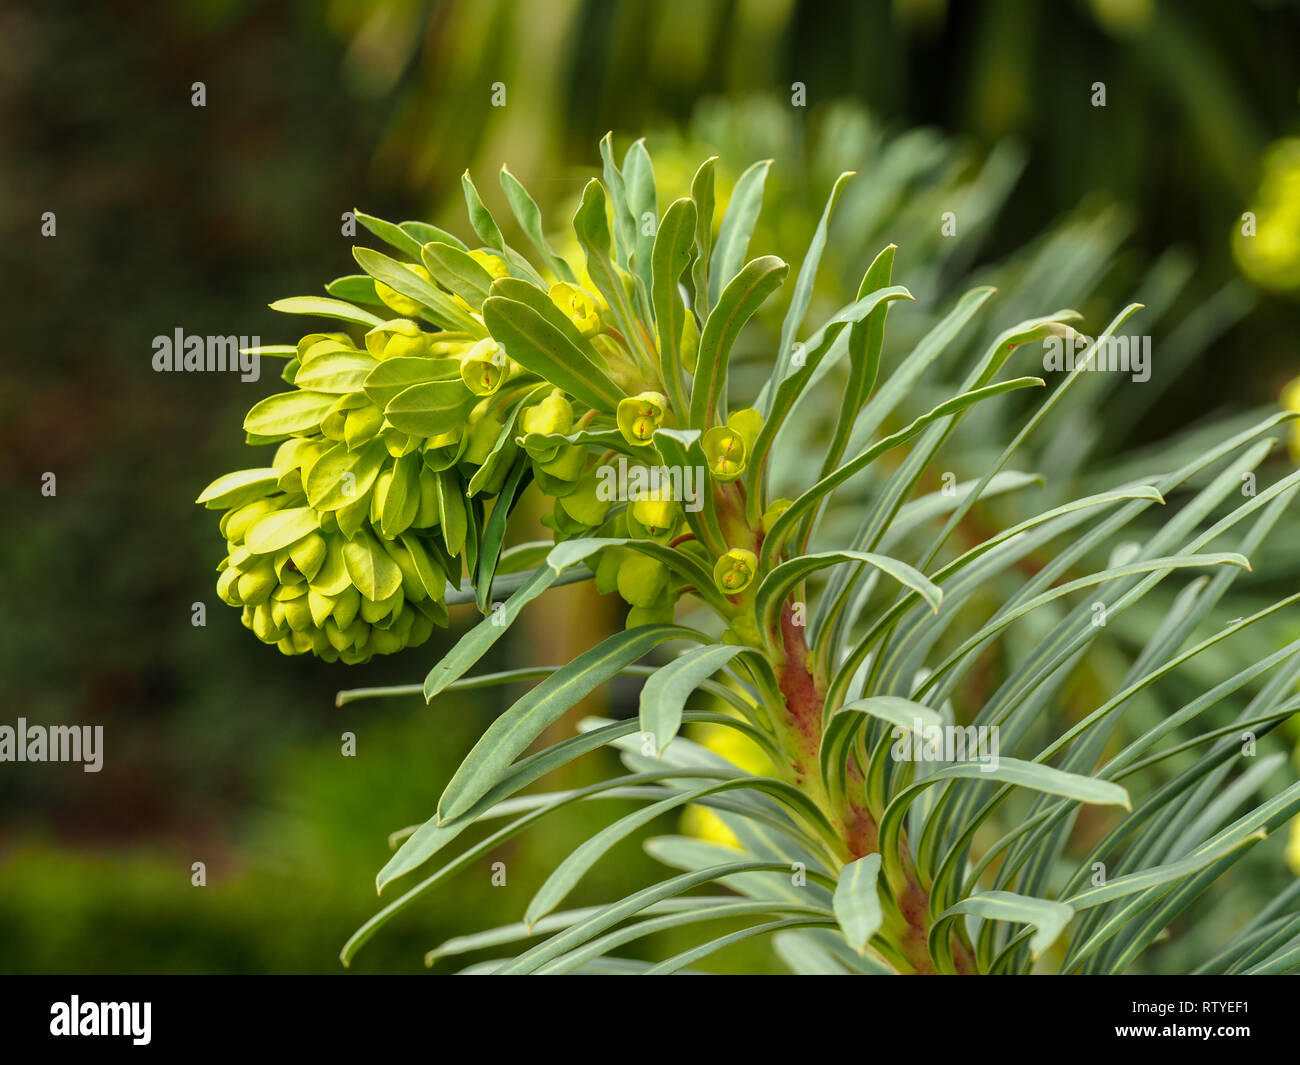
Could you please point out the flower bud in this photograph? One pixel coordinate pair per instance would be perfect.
(378, 612)
(347, 606)
(642, 580)
(227, 586)
(400, 338)
(657, 614)
(379, 494)
(654, 518)
(553, 415)
(427, 513)
(308, 554)
(743, 631)
(639, 416)
(481, 438)
(265, 627)
(568, 463)
(727, 447)
(257, 584)
(608, 563)
(237, 522)
(747, 422)
(297, 614)
(398, 443)
(297, 588)
(725, 451)
(493, 264)
(321, 607)
(579, 306)
(403, 305)
(734, 571)
(443, 451)
(361, 425)
(778, 507)
(584, 504)
(484, 367)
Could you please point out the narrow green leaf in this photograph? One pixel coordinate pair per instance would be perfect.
(476, 643)
(633, 904)
(494, 531)
(663, 698)
(392, 377)
(643, 206)
(324, 307)
(430, 408)
(737, 226)
(702, 197)
(671, 255)
(624, 226)
(857, 902)
(529, 217)
(236, 489)
(453, 515)
(512, 733)
(423, 233)
(479, 216)
(394, 235)
(456, 272)
(744, 294)
(785, 525)
(441, 309)
(592, 230)
(540, 347)
(355, 288)
(781, 581)
(1048, 918)
(287, 413)
(803, 290)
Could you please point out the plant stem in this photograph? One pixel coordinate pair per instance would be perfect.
(800, 730)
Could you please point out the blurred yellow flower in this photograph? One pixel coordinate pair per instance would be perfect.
(1293, 847)
(701, 822)
(1266, 241)
(1291, 401)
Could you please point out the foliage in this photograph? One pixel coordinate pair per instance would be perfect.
(845, 657)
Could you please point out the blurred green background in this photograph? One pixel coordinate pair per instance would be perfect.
(219, 750)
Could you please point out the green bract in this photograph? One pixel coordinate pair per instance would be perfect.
(837, 637)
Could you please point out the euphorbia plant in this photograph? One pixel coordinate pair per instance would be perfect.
(465, 374)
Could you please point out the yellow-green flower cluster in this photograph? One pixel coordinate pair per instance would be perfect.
(460, 378)
(390, 445)
(305, 586)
